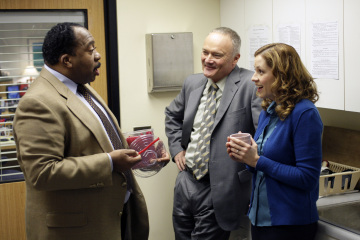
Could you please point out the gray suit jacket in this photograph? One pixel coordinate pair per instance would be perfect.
(238, 111)
(71, 192)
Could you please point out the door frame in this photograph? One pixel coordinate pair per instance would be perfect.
(112, 57)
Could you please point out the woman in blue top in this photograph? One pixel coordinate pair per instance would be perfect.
(285, 154)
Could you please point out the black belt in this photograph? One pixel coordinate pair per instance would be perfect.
(204, 178)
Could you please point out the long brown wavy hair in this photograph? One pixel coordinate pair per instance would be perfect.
(292, 82)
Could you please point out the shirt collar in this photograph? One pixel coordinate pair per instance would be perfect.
(68, 82)
(220, 84)
(271, 109)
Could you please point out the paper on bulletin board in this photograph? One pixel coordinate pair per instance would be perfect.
(290, 34)
(258, 37)
(325, 50)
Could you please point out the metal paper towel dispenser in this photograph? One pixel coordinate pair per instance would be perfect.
(169, 59)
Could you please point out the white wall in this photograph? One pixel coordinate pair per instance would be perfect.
(138, 108)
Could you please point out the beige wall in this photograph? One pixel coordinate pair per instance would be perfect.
(138, 108)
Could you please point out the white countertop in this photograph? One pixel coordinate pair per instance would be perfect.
(338, 198)
(330, 231)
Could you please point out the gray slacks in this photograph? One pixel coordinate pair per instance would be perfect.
(193, 211)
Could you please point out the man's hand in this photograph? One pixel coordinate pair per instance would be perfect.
(180, 160)
(124, 159)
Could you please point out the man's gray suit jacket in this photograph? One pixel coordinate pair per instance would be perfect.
(239, 110)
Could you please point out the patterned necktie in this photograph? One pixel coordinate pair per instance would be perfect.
(115, 140)
(202, 153)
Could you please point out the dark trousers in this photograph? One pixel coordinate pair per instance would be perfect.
(293, 232)
(124, 219)
(193, 211)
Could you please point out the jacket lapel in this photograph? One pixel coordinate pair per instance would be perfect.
(229, 92)
(194, 100)
(79, 110)
(191, 109)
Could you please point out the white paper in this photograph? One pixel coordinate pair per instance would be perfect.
(258, 37)
(290, 34)
(325, 50)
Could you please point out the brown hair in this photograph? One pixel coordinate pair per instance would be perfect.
(292, 82)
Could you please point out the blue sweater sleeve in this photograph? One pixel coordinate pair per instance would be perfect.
(304, 171)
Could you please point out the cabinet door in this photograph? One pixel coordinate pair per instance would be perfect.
(351, 54)
(327, 11)
(258, 27)
(303, 13)
(289, 24)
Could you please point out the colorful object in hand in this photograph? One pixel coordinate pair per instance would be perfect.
(150, 148)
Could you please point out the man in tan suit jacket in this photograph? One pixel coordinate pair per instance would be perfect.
(75, 181)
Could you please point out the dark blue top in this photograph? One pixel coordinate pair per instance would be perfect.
(291, 163)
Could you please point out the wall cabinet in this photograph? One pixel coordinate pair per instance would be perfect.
(339, 93)
(352, 54)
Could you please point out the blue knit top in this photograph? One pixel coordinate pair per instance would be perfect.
(291, 162)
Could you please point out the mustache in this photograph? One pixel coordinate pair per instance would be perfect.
(208, 64)
(97, 66)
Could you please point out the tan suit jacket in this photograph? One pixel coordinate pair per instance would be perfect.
(71, 191)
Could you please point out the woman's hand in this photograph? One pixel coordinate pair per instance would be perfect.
(242, 152)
